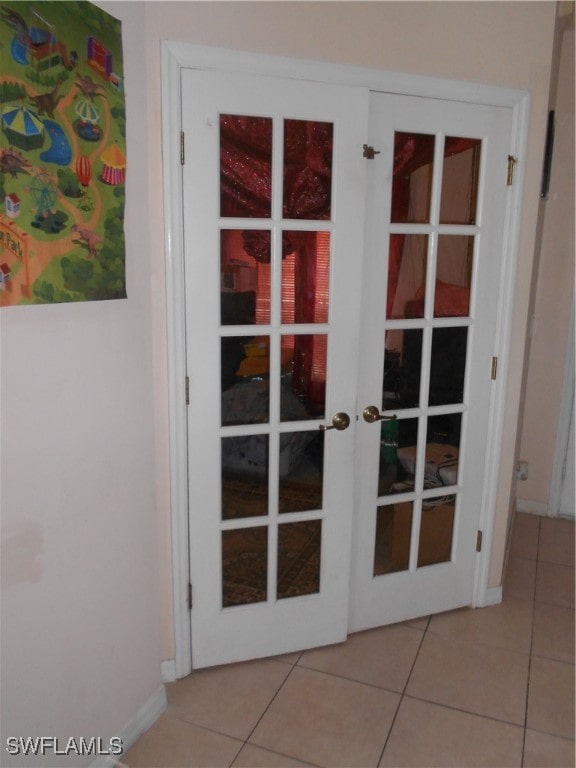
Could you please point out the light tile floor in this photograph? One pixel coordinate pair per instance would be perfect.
(487, 687)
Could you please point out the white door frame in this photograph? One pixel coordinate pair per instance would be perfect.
(176, 56)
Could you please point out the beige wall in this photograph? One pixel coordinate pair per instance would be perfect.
(554, 290)
(497, 43)
(81, 637)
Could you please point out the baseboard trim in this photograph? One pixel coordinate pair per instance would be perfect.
(168, 669)
(143, 720)
(492, 596)
(532, 507)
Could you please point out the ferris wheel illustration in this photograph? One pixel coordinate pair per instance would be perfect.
(44, 194)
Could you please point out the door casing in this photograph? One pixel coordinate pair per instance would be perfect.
(175, 57)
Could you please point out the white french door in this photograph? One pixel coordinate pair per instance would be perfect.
(433, 258)
(340, 318)
(273, 195)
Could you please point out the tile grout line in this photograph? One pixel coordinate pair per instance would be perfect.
(402, 694)
(247, 740)
(472, 713)
(531, 644)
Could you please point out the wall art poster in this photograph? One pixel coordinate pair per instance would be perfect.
(62, 154)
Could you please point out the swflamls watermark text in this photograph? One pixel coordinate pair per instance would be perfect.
(52, 745)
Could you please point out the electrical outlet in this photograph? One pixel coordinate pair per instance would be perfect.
(522, 470)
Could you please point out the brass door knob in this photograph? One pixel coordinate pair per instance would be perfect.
(340, 421)
(372, 414)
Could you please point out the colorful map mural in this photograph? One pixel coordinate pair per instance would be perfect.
(62, 154)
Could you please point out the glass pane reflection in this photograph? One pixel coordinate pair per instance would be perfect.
(306, 277)
(307, 169)
(436, 530)
(408, 256)
(244, 476)
(245, 379)
(244, 280)
(402, 363)
(244, 566)
(459, 195)
(301, 471)
(412, 179)
(447, 365)
(398, 440)
(393, 531)
(442, 450)
(453, 276)
(299, 547)
(245, 166)
(303, 390)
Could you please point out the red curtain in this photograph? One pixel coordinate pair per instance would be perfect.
(246, 174)
(246, 183)
(411, 151)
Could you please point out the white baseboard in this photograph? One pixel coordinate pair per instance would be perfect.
(493, 596)
(143, 720)
(532, 507)
(168, 669)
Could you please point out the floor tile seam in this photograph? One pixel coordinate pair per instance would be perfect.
(555, 562)
(280, 754)
(350, 679)
(547, 733)
(567, 566)
(538, 601)
(552, 658)
(272, 700)
(274, 660)
(515, 556)
(490, 644)
(207, 728)
(554, 605)
(481, 644)
(483, 716)
(526, 706)
(532, 629)
(240, 741)
(556, 661)
(403, 694)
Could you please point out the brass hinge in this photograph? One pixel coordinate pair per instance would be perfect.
(479, 541)
(511, 163)
(181, 147)
(494, 371)
(187, 390)
(369, 152)
(189, 597)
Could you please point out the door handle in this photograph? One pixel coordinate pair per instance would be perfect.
(372, 414)
(340, 421)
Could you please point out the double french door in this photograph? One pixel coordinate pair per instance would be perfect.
(342, 250)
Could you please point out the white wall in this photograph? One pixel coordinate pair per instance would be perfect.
(80, 601)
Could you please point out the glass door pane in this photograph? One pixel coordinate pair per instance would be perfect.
(245, 166)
